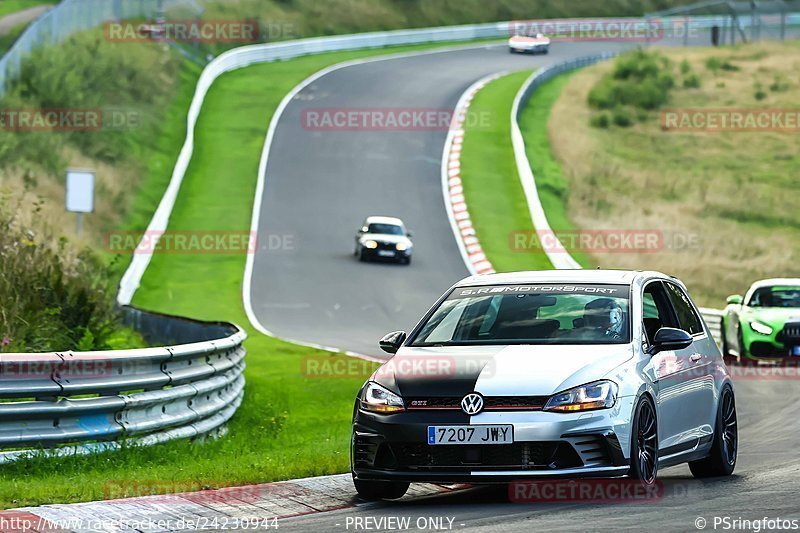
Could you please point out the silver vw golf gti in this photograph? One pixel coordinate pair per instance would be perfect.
(547, 374)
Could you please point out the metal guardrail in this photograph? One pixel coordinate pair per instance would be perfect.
(713, 319)
(561, 260)
(79, 402)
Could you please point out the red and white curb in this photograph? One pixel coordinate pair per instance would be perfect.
(474, 257)
(265, 504)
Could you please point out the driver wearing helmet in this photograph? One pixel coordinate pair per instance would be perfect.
(604, 318)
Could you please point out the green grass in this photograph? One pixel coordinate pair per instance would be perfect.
(157, 154)
(289, 425)
(491, 183)
(550, 182)
(12, 6)
(10, 38)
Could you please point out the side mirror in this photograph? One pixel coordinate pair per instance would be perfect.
(408, 234)
(734, 299)
(669, 339)
(393, 341)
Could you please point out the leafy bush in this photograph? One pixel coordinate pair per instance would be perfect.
(640, 79)
(760, 93)
(715, 64)
(622, 117)
(692, 81)
(779, 85)
(53, 298)
(601, 120)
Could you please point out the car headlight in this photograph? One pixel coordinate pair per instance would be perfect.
(370, 244)
(597, 395)
(380, 399)
(401, 246)
(760, 327)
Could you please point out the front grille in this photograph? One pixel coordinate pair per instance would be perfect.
(491, 403)
(766, 349)
(516, 456)
(386, 246)
(790, 334)
(594, 450)
(515, 402)
(364, 451)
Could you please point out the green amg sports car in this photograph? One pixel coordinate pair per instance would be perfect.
(765, 323)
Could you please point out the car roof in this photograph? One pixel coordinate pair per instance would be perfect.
(384, 220)
(775, 281)
(625, 277)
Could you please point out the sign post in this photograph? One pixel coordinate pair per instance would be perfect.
(80, 194)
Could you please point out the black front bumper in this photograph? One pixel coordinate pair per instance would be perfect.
(374, 255)
(394, 447)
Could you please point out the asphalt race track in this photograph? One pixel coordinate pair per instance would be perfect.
(320, 185)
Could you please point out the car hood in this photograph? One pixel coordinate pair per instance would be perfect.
(772, 316)
(385, 237)
(498, 370)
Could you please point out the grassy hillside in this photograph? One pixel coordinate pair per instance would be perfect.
(723, 200)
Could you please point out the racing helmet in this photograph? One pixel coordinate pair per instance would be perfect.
(604, 313)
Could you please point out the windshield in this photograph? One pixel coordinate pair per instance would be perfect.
(386, 229)
(776, 297)
(529, 314)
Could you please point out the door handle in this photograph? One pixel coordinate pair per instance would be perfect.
(695, 357)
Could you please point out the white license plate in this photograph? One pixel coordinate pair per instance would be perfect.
(385, 253)
(494, 434)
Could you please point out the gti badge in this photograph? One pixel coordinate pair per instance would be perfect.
(472, 404)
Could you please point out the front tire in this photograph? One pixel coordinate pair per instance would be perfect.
(380, 490)
(740, 344)
(724, 348)
(724, 449)
(362, 256)
(644, 442)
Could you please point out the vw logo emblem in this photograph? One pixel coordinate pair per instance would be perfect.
(472, 404)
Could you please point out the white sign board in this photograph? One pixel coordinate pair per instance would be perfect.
(80, 191)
